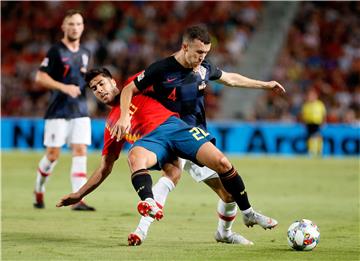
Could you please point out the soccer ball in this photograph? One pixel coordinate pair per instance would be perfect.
(303, 235)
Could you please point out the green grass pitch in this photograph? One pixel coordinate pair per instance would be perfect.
(323, 190)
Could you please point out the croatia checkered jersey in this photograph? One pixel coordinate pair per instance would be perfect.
(146, 115)
(67, 67)
(178, 88)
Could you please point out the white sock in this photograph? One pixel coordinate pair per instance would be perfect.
(227, 214)
(160, 190)
(78, 172)
(144, 225)
(44, 170)
(247, 211)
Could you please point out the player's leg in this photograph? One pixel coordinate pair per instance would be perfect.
(79, 138)
(211, 157)
(194, 144)
(319, 145)
(54, 139)
(171, 175)
(44, 171)
(140, 160)
(226, 207)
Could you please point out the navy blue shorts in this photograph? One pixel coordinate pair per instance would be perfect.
(172, 139)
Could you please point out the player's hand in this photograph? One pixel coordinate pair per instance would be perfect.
(120, 128)
(67, 200)
(71, 90)
(276, 87)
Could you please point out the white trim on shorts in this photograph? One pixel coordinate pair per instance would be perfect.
(58, 132)
(196, 172)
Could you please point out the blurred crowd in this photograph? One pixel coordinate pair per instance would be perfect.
(123, 36)
(322, 50)
(322, 53)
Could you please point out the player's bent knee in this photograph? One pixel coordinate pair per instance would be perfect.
(224, 164)
(52, 154)
(141, 158)
(132, 160)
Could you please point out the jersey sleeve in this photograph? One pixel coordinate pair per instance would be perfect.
(215, 72)
(148, 77)
(48, 65)
(111, 146)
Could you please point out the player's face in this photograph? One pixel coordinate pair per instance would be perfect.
(195, 52)
(104, 89)
(73, 27)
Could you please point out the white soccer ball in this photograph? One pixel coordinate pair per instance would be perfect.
(303, 235)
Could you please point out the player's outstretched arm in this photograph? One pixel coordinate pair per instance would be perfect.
(99, 175)
(237, 80)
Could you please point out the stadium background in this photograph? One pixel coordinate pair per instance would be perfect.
(301, 44)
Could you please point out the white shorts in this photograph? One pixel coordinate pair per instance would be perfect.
(59, 132)
(196, 172)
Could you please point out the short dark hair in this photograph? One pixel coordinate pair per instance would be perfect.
(95, 72)
(71, 12)
(197, 32)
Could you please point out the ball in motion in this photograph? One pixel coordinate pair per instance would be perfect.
(303, 235)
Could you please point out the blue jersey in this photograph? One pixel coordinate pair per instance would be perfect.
(178, 88)
(67, 67)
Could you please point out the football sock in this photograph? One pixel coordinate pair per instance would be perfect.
(44, 170)
(235, 186)
(142, 183)
(227, 214)
(78, 172)
(144, 224)
(160, 190)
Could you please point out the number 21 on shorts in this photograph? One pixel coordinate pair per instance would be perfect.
(198, 133)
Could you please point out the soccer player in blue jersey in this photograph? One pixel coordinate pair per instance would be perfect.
(178, 82)
(66, 119)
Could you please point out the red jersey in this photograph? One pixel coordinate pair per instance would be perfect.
(146, 115)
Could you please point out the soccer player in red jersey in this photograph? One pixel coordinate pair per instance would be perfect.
(158, 136)
(141, 124)
(146, 113)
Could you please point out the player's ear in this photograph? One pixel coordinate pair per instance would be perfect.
(63, 26)
(185, 46)
(113, 82)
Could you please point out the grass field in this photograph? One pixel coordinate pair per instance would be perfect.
(323, 190)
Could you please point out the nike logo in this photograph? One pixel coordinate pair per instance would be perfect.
(170, 79)
(141, 188)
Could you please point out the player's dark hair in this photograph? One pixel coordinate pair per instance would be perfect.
(95, 72)
(71, 12)
(197, 32)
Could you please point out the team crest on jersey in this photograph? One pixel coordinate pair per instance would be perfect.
(85, 60)
(202, 72)
(202, 86)
(45, 62)
(141, 76)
